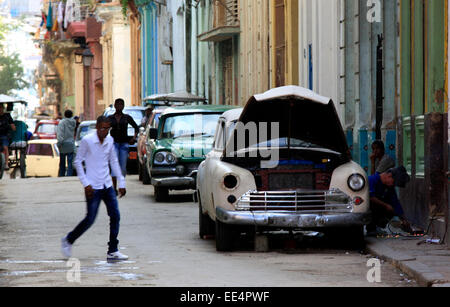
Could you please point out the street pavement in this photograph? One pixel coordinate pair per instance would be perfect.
(428, 264)
(162, 242)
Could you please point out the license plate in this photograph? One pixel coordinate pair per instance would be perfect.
(133, 155)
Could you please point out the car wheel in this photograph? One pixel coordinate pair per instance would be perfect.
(145, 176)
(2, 164)
(140, 171)
(206, 224)
(225, 237)
(161, 194)
(23, 166)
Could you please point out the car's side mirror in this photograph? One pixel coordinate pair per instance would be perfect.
(153, 134)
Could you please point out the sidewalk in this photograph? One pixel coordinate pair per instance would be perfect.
(428, 264)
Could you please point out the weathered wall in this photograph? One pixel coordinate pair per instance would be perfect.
(255, 48)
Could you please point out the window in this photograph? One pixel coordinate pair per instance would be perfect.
(47, 128)
(40, 150)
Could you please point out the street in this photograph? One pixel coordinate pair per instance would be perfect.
(162, 242)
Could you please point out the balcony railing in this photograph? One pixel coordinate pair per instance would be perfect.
(225, 21)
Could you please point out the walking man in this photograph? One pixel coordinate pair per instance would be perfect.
(97, 152)
(66, 143)
(119, 132)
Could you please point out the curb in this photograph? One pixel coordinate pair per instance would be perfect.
(423, 274)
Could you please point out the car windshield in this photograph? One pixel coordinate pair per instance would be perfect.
(187, 125)
(85, 130)
(137, 114)
(47, 128)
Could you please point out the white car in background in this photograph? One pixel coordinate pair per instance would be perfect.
(308, 183)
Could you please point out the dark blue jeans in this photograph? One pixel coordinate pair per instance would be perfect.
(112, 206)
(62, 164)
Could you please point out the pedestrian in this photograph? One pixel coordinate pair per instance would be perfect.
(77, 120)
(380, 161)
(147, 115)
(97, 152)
(119, 132)
(384, 202)
(66, 143)
(6, 124)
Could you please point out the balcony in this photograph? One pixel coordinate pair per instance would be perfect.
(225, 22)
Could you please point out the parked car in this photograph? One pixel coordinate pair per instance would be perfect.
(42, 158)
(45, 129)
(144, 138)
(84, 129)
(183, 138)
(309, 181)
(137, 113)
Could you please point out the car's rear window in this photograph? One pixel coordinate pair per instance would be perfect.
(47, 128)
(40, 150)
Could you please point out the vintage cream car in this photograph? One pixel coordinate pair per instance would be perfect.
(42, 158)
(292, 170)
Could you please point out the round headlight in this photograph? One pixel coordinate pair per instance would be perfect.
(159, 157)
(230, 181)
(356, 182)
(170, 158)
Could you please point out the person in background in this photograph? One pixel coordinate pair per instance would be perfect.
(6, 124)
(380, 161)
(384, 202)
(66, 143)
(77, 120)
(119, 132)
(147, 115)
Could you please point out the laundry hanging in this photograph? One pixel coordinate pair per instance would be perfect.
(49, 25)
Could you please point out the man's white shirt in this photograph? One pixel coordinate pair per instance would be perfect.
(98, 158)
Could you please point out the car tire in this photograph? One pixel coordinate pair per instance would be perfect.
(206, 224)
(161, 194)
(23, 166)
(140, 171)
(225, 237)
(146, 179)
(2, 164)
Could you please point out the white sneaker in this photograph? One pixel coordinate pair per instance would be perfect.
(66, 248)
(118, 256)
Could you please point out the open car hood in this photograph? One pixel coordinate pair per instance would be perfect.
(301, 115)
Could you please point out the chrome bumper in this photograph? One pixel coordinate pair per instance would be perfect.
(291, 220)
(174, 182)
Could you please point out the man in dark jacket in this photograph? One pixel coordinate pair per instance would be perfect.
(6, 124)
(119, 132)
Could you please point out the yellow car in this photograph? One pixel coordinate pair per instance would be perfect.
(42, 158)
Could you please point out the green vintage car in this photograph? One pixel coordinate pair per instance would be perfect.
(183, 138)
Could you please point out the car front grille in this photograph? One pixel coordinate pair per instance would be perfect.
(332, 201)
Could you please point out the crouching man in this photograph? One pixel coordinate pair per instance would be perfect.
(384, 202)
